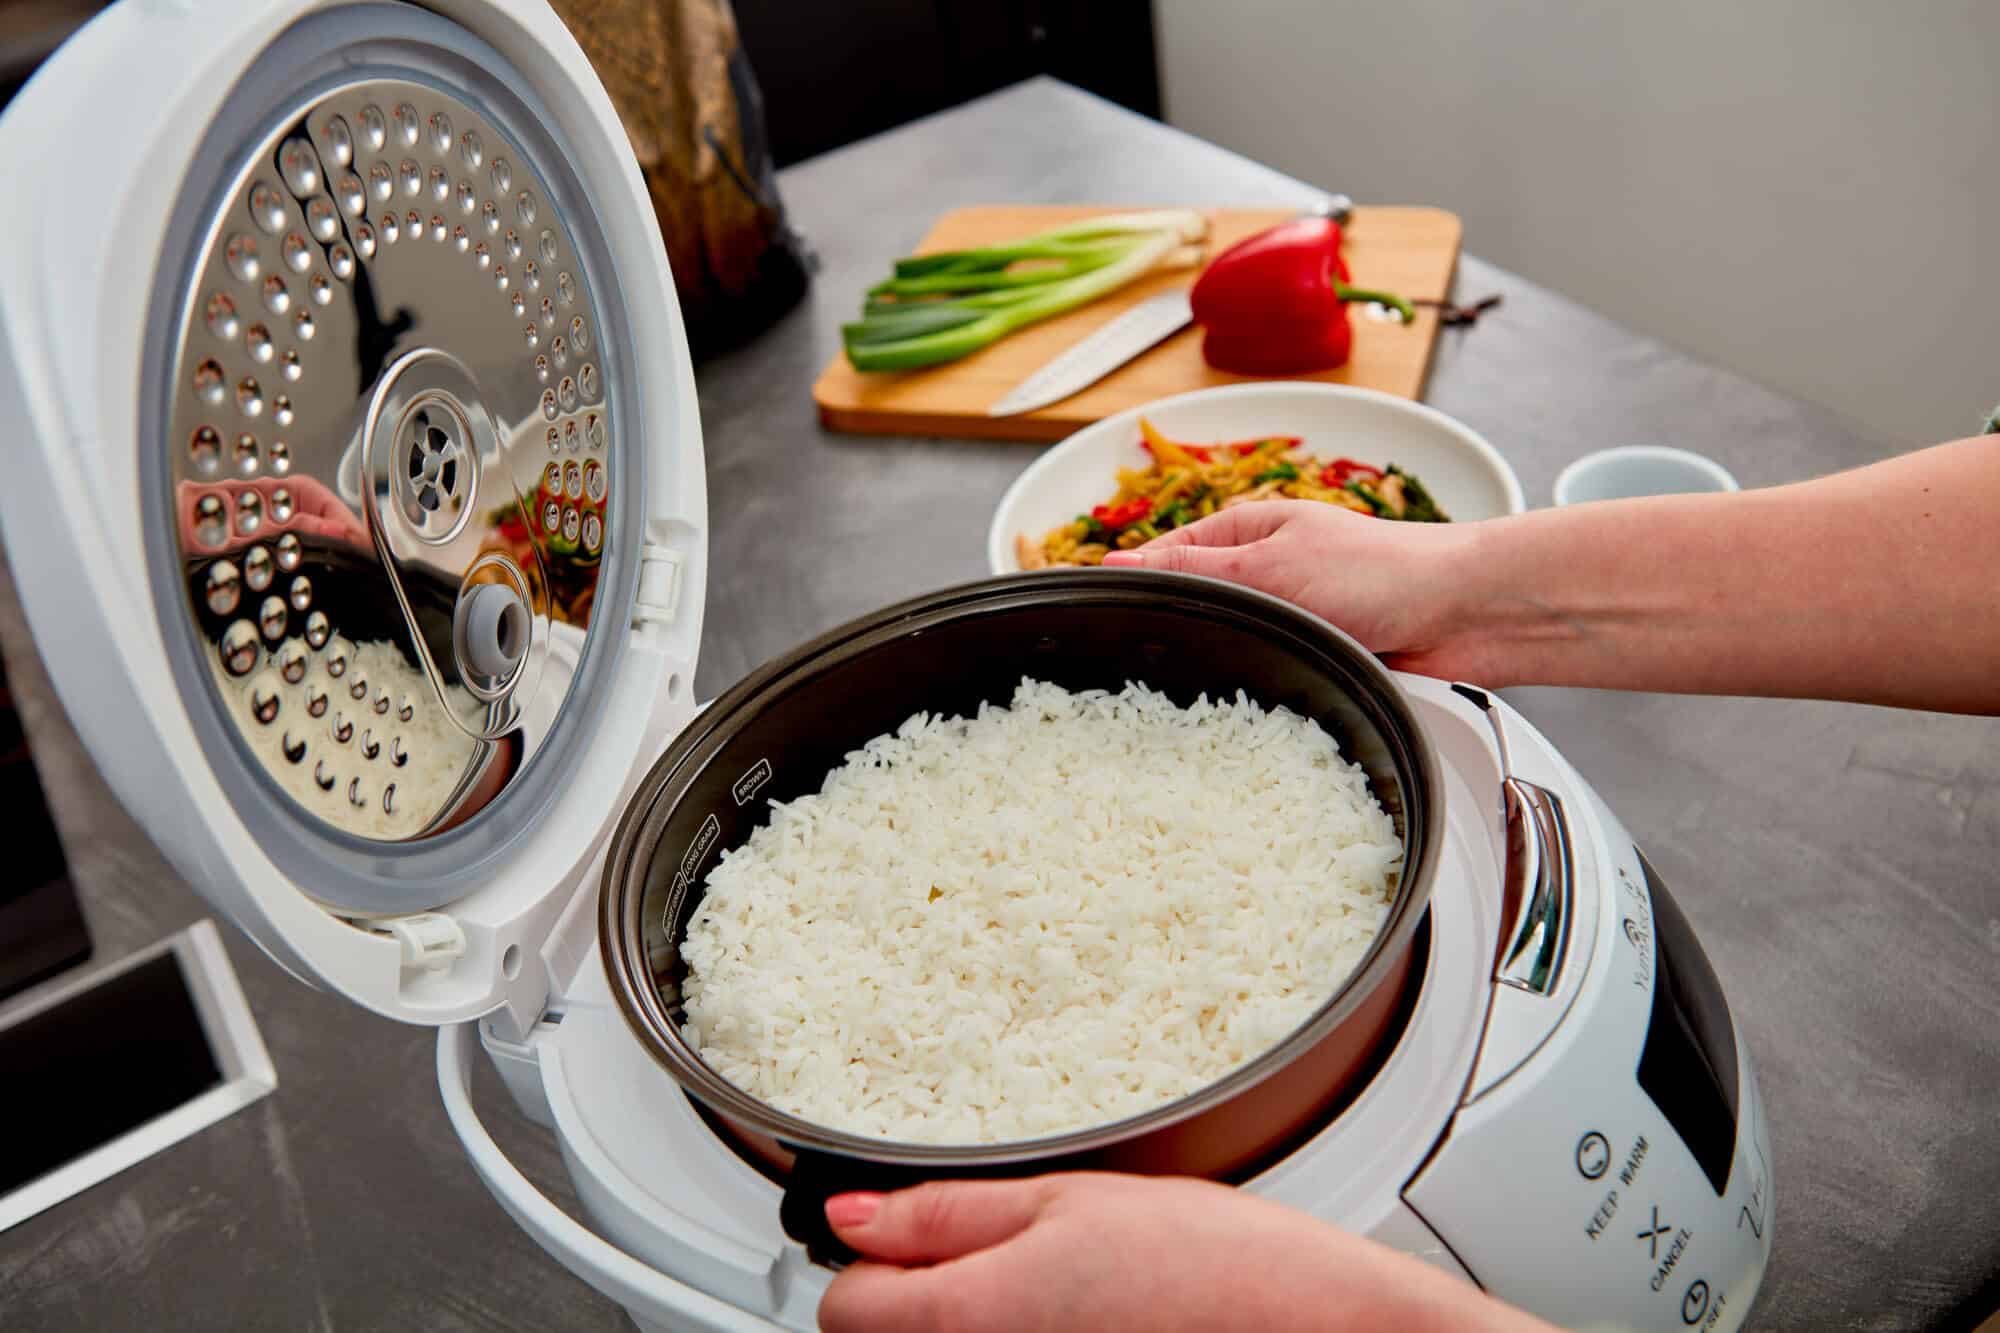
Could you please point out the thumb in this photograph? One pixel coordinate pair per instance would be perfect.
(1214, 545)
(1238, 525)
(1217, 562)
(939, 1220)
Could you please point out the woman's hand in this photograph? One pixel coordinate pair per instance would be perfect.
(1393, 586)
(1107, 1252)
(1874, 585)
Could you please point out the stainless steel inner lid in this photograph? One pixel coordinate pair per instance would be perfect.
(392, 469)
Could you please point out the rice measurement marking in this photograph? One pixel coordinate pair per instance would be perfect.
(697, 852)
(751, 782)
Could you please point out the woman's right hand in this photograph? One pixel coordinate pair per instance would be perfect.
(1396, 587)
(1091, 1251)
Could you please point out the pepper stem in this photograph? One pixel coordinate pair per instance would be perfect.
(1394, 302)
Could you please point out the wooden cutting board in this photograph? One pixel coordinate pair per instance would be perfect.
(1410, 251)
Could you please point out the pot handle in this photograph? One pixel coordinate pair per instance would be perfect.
(1541, 877)
(1539, 893)
(817, 1176)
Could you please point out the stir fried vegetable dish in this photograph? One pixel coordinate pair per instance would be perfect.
(1186, 482)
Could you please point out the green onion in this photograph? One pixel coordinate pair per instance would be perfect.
(910, 321)
(978, 277)
(1282, 472)
(940, 307)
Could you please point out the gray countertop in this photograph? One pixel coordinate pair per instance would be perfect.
(1837, 861)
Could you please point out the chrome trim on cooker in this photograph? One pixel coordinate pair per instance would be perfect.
(1540, 881)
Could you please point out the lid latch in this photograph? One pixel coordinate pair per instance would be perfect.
(431, 940)
(659, 598)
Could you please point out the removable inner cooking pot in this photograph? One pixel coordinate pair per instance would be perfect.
(775, 736)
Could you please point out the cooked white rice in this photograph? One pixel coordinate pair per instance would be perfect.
(1043, 918)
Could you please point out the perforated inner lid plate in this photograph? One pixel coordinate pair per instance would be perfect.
(394, 498)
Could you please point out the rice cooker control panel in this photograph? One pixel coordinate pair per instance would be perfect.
(1619, 1175)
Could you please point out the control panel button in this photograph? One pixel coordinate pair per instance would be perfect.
(1653, 1231)
(1593, 1155)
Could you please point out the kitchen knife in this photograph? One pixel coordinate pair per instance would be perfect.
(1142, 327)
(1090, 360)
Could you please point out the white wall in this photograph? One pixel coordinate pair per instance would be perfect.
(1806, 191)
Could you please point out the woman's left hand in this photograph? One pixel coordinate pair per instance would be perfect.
(1095, 1251)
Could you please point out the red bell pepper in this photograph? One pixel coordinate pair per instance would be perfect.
(1276, 303)
(1125, 515)
(1343, 470)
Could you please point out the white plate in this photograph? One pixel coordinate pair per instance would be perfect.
(1466, 475)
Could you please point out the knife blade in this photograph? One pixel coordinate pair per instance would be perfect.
(1103, 351)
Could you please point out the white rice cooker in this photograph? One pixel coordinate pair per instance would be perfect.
(360, 516)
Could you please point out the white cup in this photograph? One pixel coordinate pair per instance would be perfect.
(1639, 469)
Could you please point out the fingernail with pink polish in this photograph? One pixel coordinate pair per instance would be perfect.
(852, 1210)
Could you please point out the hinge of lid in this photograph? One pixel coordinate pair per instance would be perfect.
(659, 597)
(430, 940)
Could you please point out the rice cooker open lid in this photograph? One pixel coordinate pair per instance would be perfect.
(364, 529)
